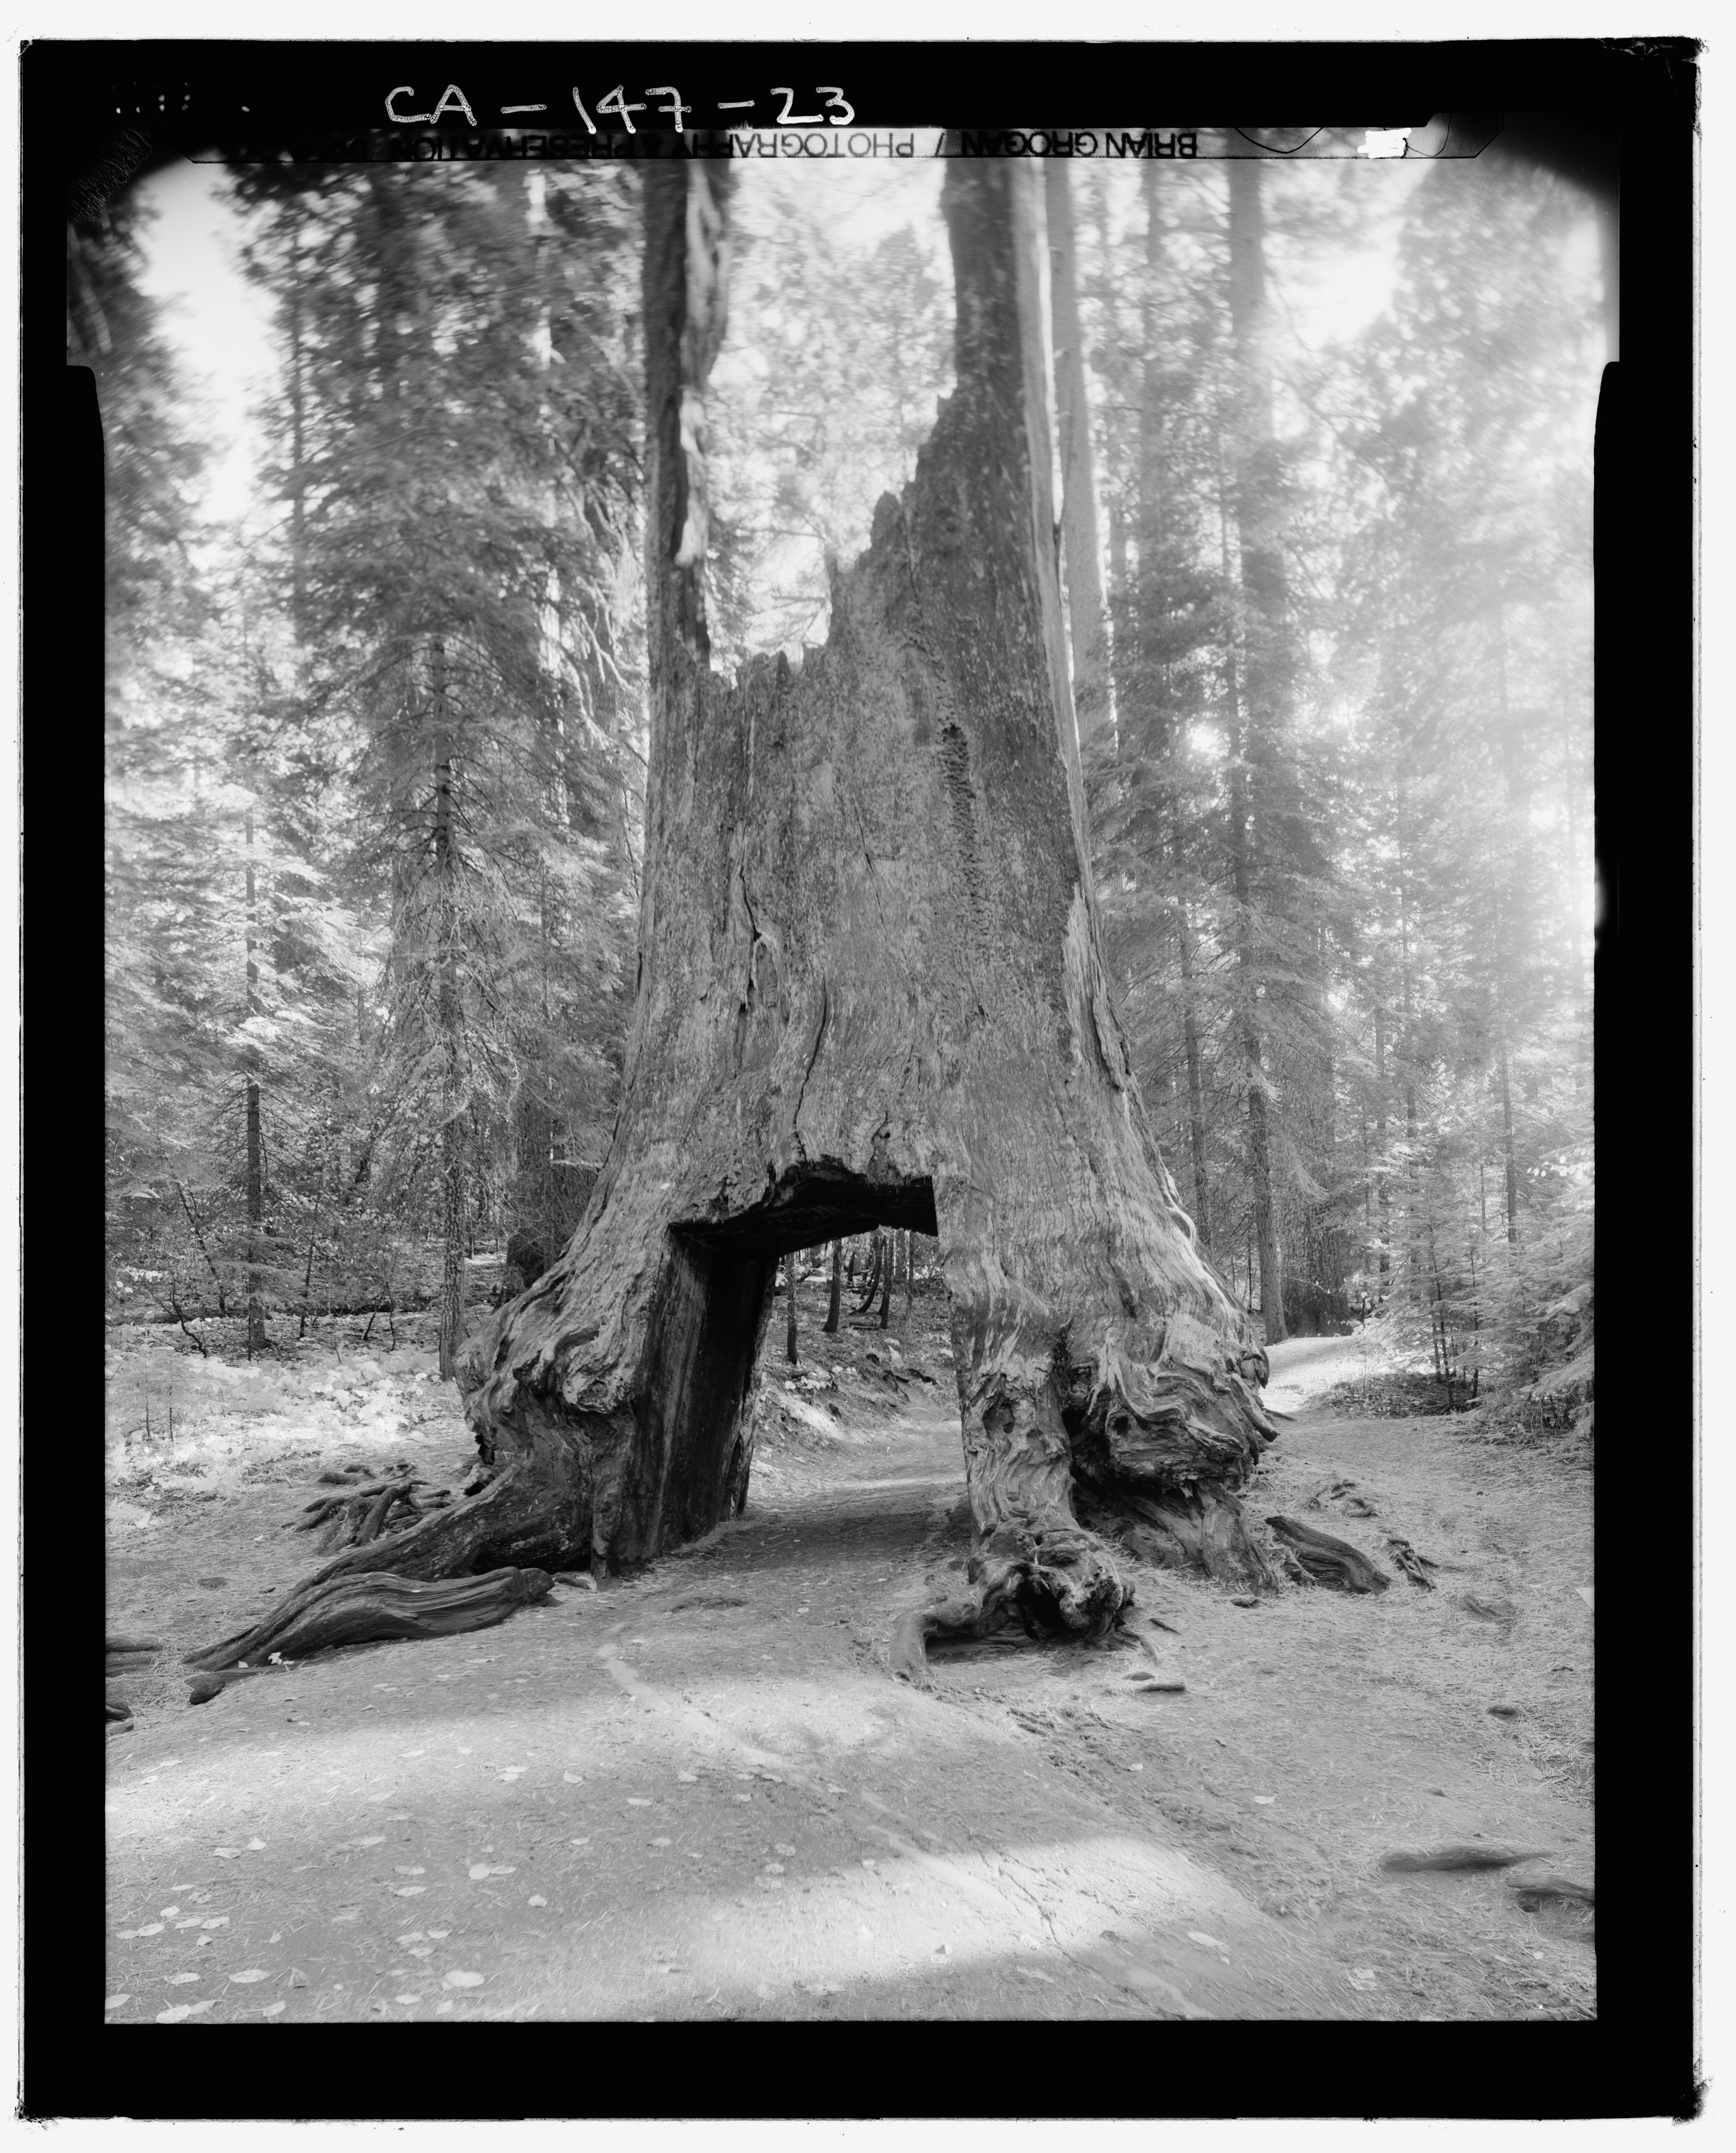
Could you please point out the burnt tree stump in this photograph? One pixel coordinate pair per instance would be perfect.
(872, 995)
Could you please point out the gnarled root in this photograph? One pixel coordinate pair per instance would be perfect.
(1330, 1561)
(1057, 1580)
(517, 1519)
(1195, 1530)
(356, 1609)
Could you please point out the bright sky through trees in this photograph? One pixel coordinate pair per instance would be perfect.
(221, 324)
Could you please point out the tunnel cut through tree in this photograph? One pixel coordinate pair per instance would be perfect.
(872, 993)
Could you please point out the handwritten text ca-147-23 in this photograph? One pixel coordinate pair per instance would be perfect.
(616, 105)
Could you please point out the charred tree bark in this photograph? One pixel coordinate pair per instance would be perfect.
(870, 994)
(830, 1325)
(791, 1351)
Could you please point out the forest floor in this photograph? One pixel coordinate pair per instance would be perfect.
(699, 1793)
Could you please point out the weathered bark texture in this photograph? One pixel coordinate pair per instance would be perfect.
(362, 1513)
(870, 993)
(350, 1610)
(1328, 1560)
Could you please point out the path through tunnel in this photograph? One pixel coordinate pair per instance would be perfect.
(715, 1322)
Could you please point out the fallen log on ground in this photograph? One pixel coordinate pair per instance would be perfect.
(370, 1605)
(1477, 1854)
(1330, 1561)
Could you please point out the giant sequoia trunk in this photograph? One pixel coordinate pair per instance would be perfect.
(870, 993)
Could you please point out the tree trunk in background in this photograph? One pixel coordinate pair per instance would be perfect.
(791, 1351)
(830, 1325)
(452, 1128)
(1190, 1043)
(1381, 1179)
(876, 1257)
(1271, 1282)
(1156, 505)
(1083, 573)
(870, 991)
(1407, 1055)
(296, 371)
(887, 1271)
(1267, 664)
(255, 1133)
(1261, 1225)
(1508, 1151)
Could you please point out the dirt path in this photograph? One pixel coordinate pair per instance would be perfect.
(699, 1793)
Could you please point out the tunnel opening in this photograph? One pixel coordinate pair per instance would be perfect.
(816, 1204)
(714, 1318)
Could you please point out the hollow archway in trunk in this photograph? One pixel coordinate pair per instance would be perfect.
(714, 1324)
(871, 991)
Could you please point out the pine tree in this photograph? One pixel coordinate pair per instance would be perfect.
(455, 456)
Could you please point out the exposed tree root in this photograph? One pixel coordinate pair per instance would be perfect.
(518, 1518)
(1330, 1561)
(1416, 1567)
(357, 1609)
(1197, 1530)
(1057, 1580)
(362, 1513)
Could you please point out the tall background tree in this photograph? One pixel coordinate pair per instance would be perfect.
(1340, 827)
